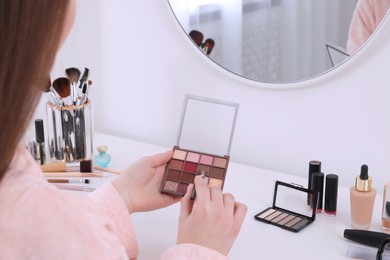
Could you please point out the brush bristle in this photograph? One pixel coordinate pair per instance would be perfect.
(73, 74)
(86, 166)
(62, 86)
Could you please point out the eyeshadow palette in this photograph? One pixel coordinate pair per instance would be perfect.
(206, 125)
(290, 210)
(186, 164)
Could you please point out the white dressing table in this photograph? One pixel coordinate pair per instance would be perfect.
(157, 230)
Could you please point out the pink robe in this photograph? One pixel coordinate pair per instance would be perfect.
(366, 18)
(39, 221)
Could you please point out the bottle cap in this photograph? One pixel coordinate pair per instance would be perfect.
(363, 181)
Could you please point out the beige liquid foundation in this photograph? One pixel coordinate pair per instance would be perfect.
(362, 200)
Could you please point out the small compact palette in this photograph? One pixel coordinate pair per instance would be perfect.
(290, 210)
(185, 164)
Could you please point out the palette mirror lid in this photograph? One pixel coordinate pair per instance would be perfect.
(293, 198)
(207, 125)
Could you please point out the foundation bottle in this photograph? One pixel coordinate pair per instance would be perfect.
(362, 197)
(386, 207)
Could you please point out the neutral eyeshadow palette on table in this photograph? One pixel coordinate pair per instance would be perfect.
(206, 125)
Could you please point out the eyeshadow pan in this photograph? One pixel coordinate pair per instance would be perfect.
(204, 168)
(193, 157)
(182, 188)
(215, 182)
(273, 215)
(179, 154)
(266, 213)
(220, 162)
(279, 218)
(206, 159)
(173, 175)
(287, 219)
(175, 164)
(217, 173)
(171, 186)
(190, 167)
(188, 177)
(293, 222)
(300, 224)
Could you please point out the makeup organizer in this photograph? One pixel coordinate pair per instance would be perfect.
(203, 144)
(70, 119)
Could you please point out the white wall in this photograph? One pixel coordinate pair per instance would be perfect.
(143, 65)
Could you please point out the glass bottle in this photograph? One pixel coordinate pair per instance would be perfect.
(102, 159)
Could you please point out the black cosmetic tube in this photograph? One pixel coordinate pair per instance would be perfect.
(366, 237)
(314, 166)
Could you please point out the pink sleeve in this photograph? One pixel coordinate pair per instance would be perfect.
(366, 18)
(191, 252)
(109, 202)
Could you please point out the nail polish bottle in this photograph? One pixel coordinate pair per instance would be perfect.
(362, 197)
(102, 159)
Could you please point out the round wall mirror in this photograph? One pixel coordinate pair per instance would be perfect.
(270, 41)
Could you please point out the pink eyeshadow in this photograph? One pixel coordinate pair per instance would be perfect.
(206, 159)
(193, 157)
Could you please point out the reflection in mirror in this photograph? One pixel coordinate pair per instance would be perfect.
(273, 41)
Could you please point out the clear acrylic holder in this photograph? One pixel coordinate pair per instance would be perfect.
(70, 132)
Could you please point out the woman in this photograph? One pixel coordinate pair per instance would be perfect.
(38, 221)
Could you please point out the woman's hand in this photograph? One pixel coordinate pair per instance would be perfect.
(212, 220)
(140, 184)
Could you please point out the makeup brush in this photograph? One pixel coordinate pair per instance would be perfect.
(86, 181)
(84, 78)
(49, 89)
(107, 169)
(83, 166)
(197, 37)
(73, 174)
(73, 75)
(73, 187)
(208, 46)
(62, 87)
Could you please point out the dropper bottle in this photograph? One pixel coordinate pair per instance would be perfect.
(362, 200)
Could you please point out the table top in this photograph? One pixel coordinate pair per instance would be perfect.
(323, 239)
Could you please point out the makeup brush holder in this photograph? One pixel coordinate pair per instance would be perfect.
(70, 132)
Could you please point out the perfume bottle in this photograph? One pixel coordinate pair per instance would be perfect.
(102, 159)
(362, 197)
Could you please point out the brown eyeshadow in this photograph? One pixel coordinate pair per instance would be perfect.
(287, 219)
(176, 165)
(273, 215)
(188, 177)
(293, 222)
(217, 173)
(204, 168)
(173, 175)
